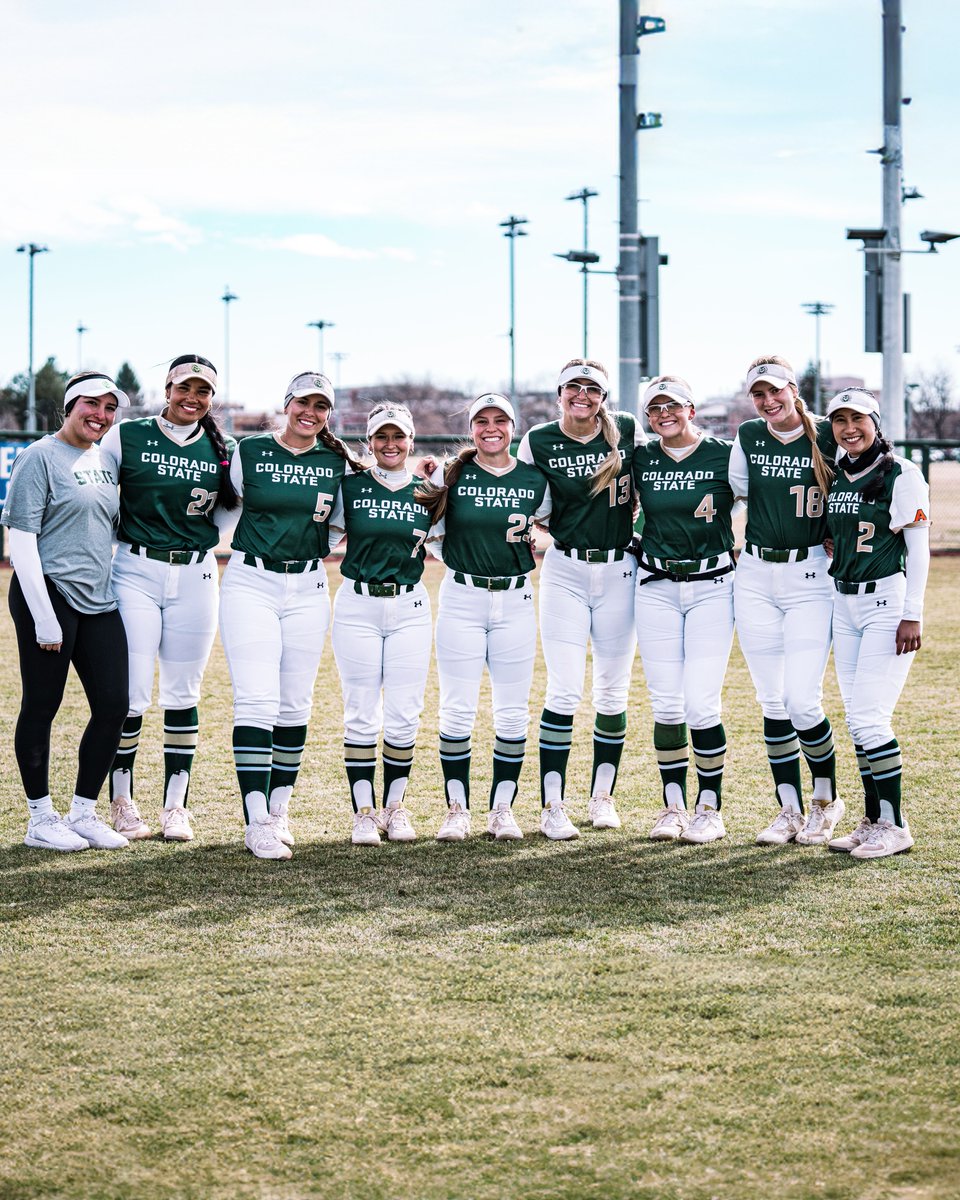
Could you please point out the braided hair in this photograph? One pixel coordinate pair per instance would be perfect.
(821, 468)
(226, 493)
(332, 442)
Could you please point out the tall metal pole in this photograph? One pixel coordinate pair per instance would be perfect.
(584, 195)
(512, 230)
(338, 356)
(892, 160)
(228, 297)
(81, 330)
(32, 250)
(818, 309)
(629, 266)
(320, 326)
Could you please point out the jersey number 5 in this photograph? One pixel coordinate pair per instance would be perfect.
(324, 505)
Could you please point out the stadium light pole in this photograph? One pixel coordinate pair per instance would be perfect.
(81, 330)
(31, 422)
(817, 309)
(320, 326)
(512, 230)
(228, 297)
(338, 356)
(585, 195)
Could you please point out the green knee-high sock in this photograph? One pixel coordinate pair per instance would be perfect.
(397, 761)
(871, 797)
(671, 746)
(609, 732)
(507, 762)
(360, 760)
(818, 750)
(709, 751)
(180, 726)
(121, 773)
(783, 754)
(455, 763)
(288, 746)
(556, 737)
(252, 755)
(886, 767)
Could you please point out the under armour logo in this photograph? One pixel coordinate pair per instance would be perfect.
(320, 586)
(418, 604)
(266, 453)
(209, 575)
(528, 595)
(627, 574)
(151, 443)
(557, 447)
(881, 604)
(809, 574)
(363, 491)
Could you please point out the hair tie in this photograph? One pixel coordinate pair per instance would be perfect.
(225, 462)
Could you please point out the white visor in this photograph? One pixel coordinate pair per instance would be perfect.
(856, 401)
(192, 370)
(581, 371)
(656, 393)
(772, 373)
(309, 383)
(390, 416)
(492, 400)
(95, 386)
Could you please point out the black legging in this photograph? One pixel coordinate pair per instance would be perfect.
(97, 646)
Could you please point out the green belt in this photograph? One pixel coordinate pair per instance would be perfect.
(281, 567)
(502, 583)
(175, 558)
(776, 556)
(381, 589)
(855, 589)
(593, 556)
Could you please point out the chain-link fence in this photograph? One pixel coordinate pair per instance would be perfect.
(939, 460)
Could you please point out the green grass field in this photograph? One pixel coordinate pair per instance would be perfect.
(605, 1018)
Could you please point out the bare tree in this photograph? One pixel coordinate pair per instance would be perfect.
(934, 406)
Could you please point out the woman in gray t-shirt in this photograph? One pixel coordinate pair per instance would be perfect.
(61, 508)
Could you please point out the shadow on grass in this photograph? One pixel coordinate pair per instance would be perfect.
(521, 891)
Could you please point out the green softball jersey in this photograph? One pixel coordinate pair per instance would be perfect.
(287, 499)
(578, 520)
(385, 529)
(686, 502)
(786, 507)
(486, 526)
(168, 489)
(867, 538)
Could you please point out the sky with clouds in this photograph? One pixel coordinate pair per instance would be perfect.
(351, 163)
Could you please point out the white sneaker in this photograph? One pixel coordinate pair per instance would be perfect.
(885, 839)
(671, 823)
(821, 820)
(784, 827)
(125, 818)
(96, 833)
(282, 827)
(175, 824)
(853, 839)
(455, 826)
(602, 813)
(706, 826)
(556, 825)
(51, 832)
(503, 825)
(263, 841)
(365, 831)
(396, 824)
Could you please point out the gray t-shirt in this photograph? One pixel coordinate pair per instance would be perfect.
(69, 499)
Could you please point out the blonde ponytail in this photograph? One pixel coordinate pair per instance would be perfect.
(434, 497)
(821, 468)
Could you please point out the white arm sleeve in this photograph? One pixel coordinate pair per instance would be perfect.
(337, 528)
(523, 450)
(917, 539)
(739, 478)
(224, 519)
(112, 449)
(435, 538)
(25, 557)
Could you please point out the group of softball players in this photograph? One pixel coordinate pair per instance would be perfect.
(641, 556)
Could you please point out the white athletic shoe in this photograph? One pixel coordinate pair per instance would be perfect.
(784, 827)
(706, 826)
(854, 838)
(96, 833)
(281, 826)
(556, 825)
(602, 813)
(820, 823)
(51, 832)
(395, 823)
(365, 831)
(455, 826)
(671, 823)
(503, 825)
(125, 818)
(175, 824)
(885, 839)
(263, 841)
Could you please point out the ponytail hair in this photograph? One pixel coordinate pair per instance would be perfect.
(332, 442)
(609, 469)
(874, 487)
(226, 493)
(434, 497)
(821, 468)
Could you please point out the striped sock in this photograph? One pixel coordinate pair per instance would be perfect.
(180, 728)
(709, 751)
(818, 750)
(609, 733)
(455, 763)
(671, 746)
(783, 754)
(556, 738)
(360, 761)
(289, 742)
(122, 770)
(507, 763)
(871, 797)
(397, 761)
(886, 767)
(252, 755)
